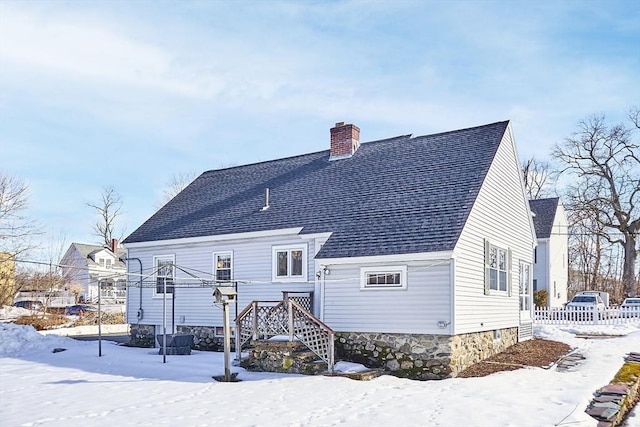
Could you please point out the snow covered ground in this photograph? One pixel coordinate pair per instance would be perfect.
(131, 386)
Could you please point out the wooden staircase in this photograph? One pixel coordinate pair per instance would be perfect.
(267, 319)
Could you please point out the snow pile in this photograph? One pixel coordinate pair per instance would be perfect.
(567, 333)
(16, 340)
(9, 313)
(349, 367)
(134, 386)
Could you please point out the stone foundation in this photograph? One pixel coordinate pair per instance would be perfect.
(421, 356)
(284, 357)
(204, 336)
(142, 336)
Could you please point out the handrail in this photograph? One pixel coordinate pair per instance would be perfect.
(299, 323)
(328, 354)
(312, 317)
(250, 305)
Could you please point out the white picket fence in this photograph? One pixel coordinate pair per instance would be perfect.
(586, 315)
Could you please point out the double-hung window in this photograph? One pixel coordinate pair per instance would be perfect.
(289, 263)
(383, 277)
(165, 273)
(525, 287)
(222, 266)
(497, 269)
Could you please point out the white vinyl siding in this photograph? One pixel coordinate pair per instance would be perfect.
(252, 268)
(551, 265)
(417, 309)
(500, 215)
(558, 263)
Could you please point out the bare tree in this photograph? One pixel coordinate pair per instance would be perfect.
(604, 164)
(536, 175)
(42, 285)
(175, 185)
(108, 210)
(16, 228)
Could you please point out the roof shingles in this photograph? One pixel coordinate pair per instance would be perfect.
(393, 196)
(544, 211)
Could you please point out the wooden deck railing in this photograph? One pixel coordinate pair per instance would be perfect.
(266, 319)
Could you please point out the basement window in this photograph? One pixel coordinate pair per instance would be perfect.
(383, 277)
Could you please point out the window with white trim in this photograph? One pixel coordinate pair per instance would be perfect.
(222, 266)
(497, 268)
(108, 263)
(289, 263)
(525, 286)
(383, 277)
(165, 273)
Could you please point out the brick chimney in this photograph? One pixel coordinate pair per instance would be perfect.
(114, 246)
(345, 140)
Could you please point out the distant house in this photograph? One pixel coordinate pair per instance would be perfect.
(94, 266)
(8, 287)
(417, 251)
(551, 262)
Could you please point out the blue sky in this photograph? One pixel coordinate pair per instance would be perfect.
(129, 94)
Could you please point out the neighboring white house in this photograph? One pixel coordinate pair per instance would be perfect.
(417, 251)
(91, 266)
(551, 258)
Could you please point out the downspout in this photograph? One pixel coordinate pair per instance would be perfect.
(140, 314)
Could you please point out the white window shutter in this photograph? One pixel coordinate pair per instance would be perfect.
(486, 267)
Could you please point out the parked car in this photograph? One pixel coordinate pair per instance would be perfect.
(76, 310)
(630, 307)
(30, 305)
(582, 306)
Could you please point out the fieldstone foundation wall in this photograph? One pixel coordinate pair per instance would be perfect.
(468, 349)
(204, 337)
(283, 356)
(142, 336)
(421, 356)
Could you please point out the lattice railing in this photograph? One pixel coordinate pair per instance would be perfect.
(317, 336)
(305, 299)
(261, 320)
(265, 319)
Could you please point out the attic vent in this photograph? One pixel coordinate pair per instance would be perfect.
(266, 199)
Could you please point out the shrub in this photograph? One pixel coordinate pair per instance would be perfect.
(41, 322)
(540, 298)
(91, 318)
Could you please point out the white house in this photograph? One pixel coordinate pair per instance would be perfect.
(417, 251)
(93, 266)
(551, 257)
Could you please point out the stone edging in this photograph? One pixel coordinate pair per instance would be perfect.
(614, 401)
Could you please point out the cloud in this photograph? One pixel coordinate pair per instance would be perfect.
(70, 50)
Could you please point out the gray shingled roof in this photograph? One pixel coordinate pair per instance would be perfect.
(394, 196)
(89, 250)
(544, 213)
